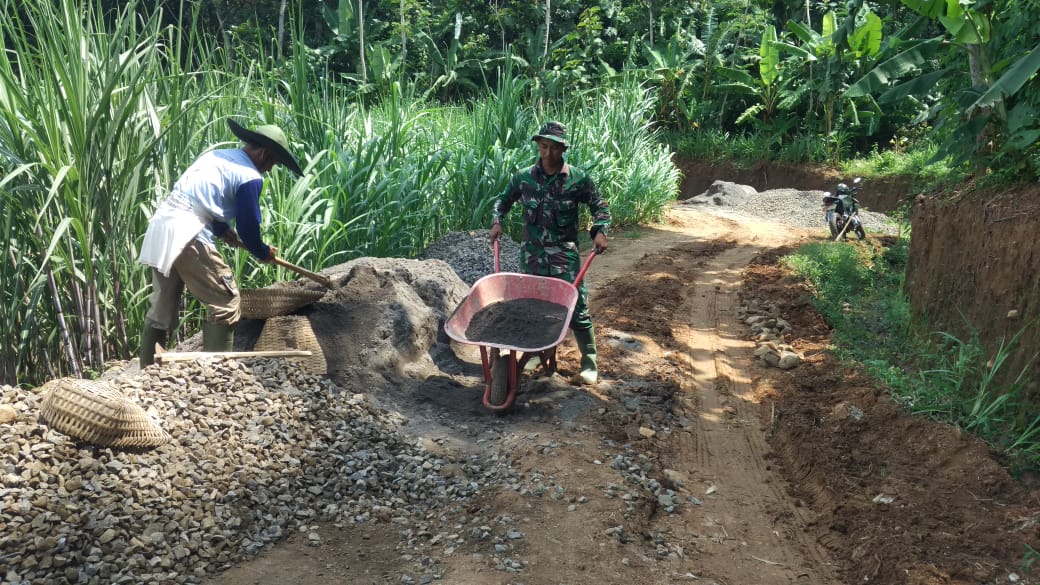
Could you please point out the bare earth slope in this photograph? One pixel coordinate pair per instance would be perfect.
(690, 461)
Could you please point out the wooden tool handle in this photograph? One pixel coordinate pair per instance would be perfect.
(186, 356)
(322, 280)
(318, 278)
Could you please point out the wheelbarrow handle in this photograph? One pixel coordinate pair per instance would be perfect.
(585, 267)
(577, 280)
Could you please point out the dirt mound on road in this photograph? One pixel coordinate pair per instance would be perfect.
(380, 319)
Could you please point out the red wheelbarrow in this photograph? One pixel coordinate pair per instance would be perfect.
(503, 363)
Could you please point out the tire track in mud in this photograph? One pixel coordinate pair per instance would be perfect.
(747, 529)
(766, 540)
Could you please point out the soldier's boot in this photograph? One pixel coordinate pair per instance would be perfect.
(149, 337)
(587, 346)
(217, 337)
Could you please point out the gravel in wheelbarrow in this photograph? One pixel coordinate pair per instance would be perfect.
(524, 322)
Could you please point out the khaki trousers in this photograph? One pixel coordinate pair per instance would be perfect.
(203, 271)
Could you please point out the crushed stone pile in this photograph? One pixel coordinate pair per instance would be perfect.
(471, 256)
(793, 207)
(260, 449)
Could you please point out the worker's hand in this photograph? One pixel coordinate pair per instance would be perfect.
(270, 257)
(230, 238)
(600, 242)
(496, 230)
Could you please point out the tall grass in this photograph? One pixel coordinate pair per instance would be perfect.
(81, 122)
(98, 117)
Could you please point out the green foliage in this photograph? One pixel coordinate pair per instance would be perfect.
(962, 388)
(837, 273)
(83, 121)
(95, 126)
(911, 162)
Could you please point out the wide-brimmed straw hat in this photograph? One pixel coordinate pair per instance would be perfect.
(554, 131)
(270, 137)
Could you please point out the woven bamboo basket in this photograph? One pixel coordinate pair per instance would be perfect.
(293, 332)
(263, 303)
(97, 413)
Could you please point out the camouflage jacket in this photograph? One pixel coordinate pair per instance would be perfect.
(550, 204)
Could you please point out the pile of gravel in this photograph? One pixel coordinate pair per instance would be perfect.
(471, 256)
(260, 449)
(803, 209)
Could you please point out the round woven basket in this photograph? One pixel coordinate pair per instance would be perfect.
(263, 303)
(97, 413)
(293, 332)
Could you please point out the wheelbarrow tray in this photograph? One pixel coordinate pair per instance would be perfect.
(508, 286)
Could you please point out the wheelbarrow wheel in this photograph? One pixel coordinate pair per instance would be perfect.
(499, 379)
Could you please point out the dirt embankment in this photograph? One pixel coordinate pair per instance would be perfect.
(975, 263)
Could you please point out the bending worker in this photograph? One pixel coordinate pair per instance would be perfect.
(220, 187)
(549, 193)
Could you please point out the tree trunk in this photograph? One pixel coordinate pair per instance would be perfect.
(281, 28)
(361, 39)
(404, 37)
(548, 22)
(650, 10)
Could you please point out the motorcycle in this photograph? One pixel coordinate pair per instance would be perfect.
(841, 211)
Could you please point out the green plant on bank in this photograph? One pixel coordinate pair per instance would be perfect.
(859, 290)
(744, 150)
(963, 388)
(1029, 559)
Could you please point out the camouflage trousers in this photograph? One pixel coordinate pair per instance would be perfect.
(559, 261)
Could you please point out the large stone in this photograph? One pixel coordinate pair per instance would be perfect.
(788, 360)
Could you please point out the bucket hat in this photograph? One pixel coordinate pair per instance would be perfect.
(554, 131)
(270, 137)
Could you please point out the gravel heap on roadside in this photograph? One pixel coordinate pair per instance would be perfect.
(260, 449)
(471, 256)
(803, 209)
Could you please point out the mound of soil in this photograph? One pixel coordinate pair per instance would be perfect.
(380, 319)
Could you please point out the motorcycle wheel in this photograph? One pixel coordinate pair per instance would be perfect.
(860, 233)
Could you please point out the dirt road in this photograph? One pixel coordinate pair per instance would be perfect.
(689, 461)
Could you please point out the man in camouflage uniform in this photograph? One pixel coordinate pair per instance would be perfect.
(549, 193)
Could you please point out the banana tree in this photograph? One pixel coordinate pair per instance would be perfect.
(830, 57)
(670, 68)
(769, 89)
(972, 115)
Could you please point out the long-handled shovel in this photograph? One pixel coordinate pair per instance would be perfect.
(318, 278)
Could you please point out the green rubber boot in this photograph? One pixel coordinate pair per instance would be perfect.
(217, 337)
(149, 337)
(587, 346)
